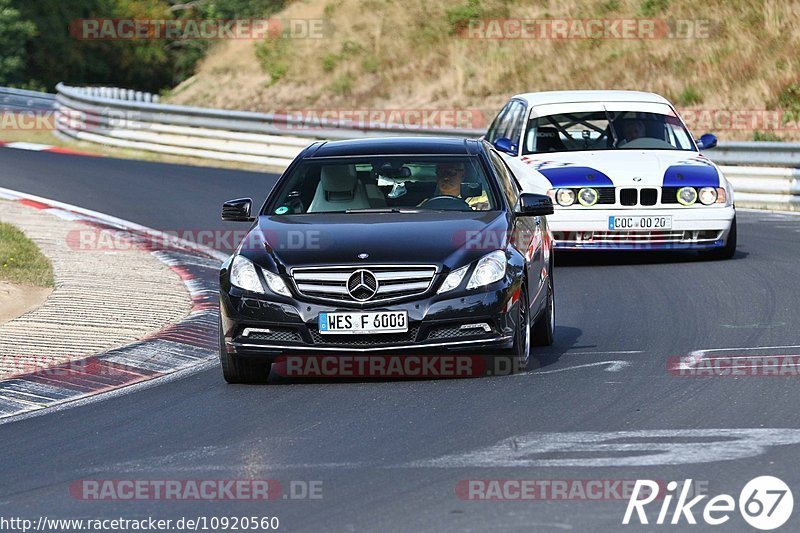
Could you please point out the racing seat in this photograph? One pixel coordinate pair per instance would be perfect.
(548, 140)
(339, 189)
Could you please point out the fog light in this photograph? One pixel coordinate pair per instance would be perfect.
(588, 197)
(687, 195)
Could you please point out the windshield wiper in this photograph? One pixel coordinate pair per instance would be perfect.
(381, 210)
(611, 127)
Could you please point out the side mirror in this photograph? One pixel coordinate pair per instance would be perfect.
(707, 141)
(504, 144)
(471, 190)
(237, 210)
(534, 205)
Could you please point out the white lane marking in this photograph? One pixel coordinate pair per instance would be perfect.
(621, 448)
(693, 359)
(614, 352)
(28, 146)
(613, 366)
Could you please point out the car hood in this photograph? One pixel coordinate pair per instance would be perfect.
(450, 239)
(624, 168)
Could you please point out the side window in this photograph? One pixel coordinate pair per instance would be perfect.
(494, 132)
(518, 124)
(506, 127)
(508, 183)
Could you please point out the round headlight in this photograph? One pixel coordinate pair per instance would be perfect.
(687, 195)
(588, 197)
(708, 195)
(565, 197)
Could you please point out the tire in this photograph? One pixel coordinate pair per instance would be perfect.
(520, 351)
(544, 327)
(239, 370)
(727, 251)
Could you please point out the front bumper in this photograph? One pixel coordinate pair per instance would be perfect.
(435, 325)
(693, 228)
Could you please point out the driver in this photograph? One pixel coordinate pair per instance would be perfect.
(633, 129)
(449, 177)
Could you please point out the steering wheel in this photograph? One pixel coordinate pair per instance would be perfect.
(446, 202)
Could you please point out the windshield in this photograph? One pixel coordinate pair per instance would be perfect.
(384, 183)
(605, 130)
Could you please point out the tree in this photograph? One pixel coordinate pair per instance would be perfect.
(14, 33)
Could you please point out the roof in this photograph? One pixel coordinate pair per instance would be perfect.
(396, 146)
(568, 97)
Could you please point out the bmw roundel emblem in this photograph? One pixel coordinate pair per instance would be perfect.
(637, 179)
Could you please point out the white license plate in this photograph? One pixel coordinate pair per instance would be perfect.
(364, 322)
(639, 223)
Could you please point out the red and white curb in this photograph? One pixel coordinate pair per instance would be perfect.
(192, 342)
(35, 147)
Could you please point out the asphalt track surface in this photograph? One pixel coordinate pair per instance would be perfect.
(390, 454)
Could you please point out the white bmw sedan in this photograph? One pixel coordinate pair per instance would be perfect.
(622, 169)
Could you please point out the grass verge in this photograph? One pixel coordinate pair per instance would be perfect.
(21, 262)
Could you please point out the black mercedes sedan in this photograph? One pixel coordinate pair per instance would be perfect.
(388, 247)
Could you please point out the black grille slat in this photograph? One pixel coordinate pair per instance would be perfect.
(606, 195)
(628, 196)
(364, 341)
(669, 195)
(453, 332)
(648, 196)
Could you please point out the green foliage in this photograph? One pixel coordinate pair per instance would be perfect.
(689, 96)
(458, 18)
(371, 64)
(51, 54)
(651, 8)
(765, 136)
(342, 85)
(14, 32)
(789, 98)
(272, 55)
(329, 62)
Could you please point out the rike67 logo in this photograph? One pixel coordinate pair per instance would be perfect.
(765, 503)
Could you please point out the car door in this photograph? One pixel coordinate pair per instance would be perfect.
(528, 233)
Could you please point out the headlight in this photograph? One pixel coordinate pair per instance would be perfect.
(244, 276)
(275, 283)
(588, 197)
(565, 197)
(687, 195)
(708, 195)
(490, 268)
(453, 279)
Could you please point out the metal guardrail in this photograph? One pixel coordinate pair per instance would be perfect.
(20, 100)
(764, 174)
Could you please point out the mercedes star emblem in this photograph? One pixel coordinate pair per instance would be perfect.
(362, 285)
